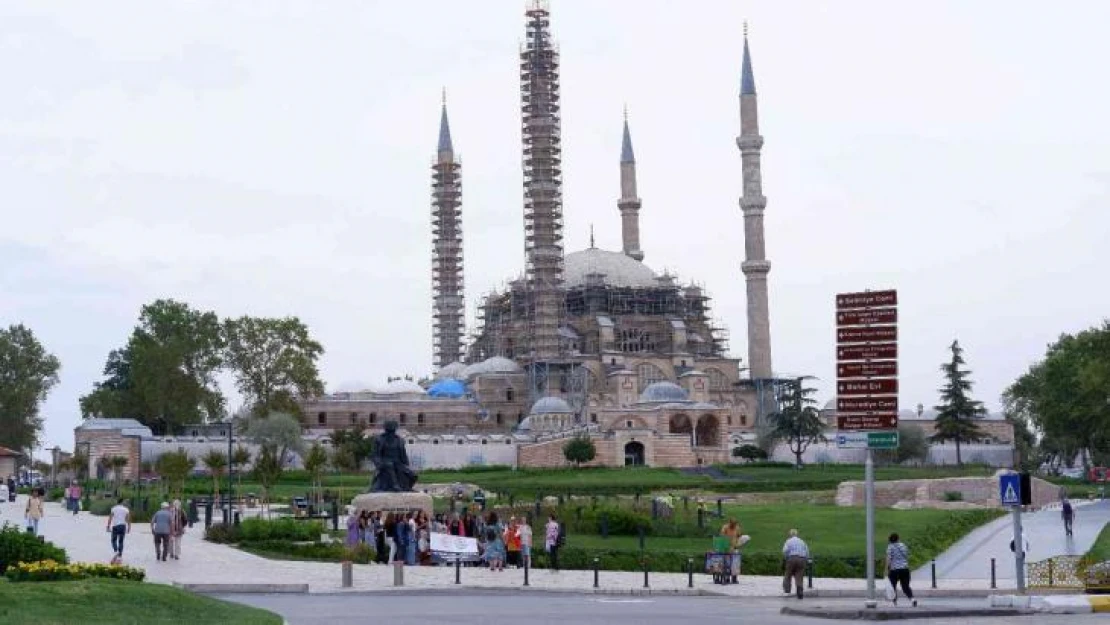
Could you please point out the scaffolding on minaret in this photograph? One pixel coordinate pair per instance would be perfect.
(448, 303)
(543, 193)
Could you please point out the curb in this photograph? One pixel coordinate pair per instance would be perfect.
(494, 590)
(240, 589)
(1055, 604)
(888, 614)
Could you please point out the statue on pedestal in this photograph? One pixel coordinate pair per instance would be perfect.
(392, 473)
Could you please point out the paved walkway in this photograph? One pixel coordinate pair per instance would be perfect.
(970, 558)
(85, 539)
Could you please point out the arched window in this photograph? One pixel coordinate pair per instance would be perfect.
(354, 418)
(509, 394)
(401, 418)
(373, 418)
(500, 419)
(322, 418)
(420, 419)
(635, 340)
(648, 374)
(718, 381)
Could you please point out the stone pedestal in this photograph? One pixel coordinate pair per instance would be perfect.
(392, 502)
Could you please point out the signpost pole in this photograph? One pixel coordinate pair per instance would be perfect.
(869, 495)
(1019, 551)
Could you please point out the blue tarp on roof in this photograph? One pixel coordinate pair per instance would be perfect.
(447, 388)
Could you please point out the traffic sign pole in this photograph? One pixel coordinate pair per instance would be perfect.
(1019, 551)
(869, 495)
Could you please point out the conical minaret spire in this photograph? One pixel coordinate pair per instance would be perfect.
(447, 250)
(629, 203)
(543, 182)
(752, 202)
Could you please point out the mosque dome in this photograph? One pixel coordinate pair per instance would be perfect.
(551, 405)
(496, 364)
(400, 387)
(616, 269)
(659, 392)
(453, 371)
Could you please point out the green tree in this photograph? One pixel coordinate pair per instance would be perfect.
(1065, 396)
(279, 431)
(273, 362)
(240, 458)
(798, 422)
(27, 373)
(267, 470)
(315, 461)
(215, 461)
(174, 467)
(579, 449)
(749, 452)
(79, 463)
(912, 445)
(353, 445)
(165, 376)
(957, 411)
(117, 464)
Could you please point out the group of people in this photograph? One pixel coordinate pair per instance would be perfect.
(167, 525)
(406, 536)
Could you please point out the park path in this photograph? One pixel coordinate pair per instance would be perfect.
(970, 558)
(85, 540)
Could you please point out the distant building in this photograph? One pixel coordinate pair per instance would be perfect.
(9, 459)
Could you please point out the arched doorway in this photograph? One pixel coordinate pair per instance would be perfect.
(708, 431)
(634, 454)
(679, 424)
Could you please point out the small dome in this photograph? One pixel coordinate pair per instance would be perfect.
(496, 364)
(663, 392)
(400, 387)
(453, 371)
(551, 405)
(616, 269)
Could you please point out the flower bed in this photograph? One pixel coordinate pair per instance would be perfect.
(51, 571)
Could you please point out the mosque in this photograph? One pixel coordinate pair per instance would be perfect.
(588, 343)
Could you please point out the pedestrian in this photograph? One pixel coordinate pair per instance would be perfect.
(495, 543)
(512, 543)
(74, 502)
(161, 525)
(33, 512)
(524, 535)
(180, 522)
(410, 539)
(353, 522)
(553, 540)
(1068, 513)
(731, 531)
(389, 527)
(119, 524)
(898, 568)
(795, 554)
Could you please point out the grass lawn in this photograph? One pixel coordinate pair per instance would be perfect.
(116, 602)
(828, 530)
(1100, 551)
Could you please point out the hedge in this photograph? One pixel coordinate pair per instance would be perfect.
(330, 552)
(17, 545)
(256, 530)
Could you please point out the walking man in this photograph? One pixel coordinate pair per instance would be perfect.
(161, 525)
(119, 524)
(1068, 512)
(796, 554)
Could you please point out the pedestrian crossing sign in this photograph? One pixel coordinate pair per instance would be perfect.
(1009, 489)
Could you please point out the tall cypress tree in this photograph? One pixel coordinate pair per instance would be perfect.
(957, 412)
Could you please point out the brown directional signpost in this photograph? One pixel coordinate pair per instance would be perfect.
(867, 389)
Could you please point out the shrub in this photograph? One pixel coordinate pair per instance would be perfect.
(622, 522)
(222, 534)
(253, 530)
(51, 571)
(16, 545)
(749, 452)
(330, 552)
(953, 495)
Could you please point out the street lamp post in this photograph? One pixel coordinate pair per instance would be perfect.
(230, 468)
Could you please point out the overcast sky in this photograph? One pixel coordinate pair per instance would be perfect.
(272, 158)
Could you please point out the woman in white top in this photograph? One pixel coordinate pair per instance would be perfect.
(898, 568)
(34, 511)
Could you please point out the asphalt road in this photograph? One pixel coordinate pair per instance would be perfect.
(566, 609)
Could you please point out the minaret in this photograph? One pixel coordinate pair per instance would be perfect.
(755, 266)
(629, 204)
(543, 182)
(447, 251)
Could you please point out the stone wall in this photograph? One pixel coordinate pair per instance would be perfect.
(110, 443)
(977, 490)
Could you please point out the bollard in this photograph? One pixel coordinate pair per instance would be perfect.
(458, 570)
(1050, 573)
(689, 572)
(348, 574)
(645, 574)
(933, 570)
(596, 566)
(809, 569)
(526, 571)
(398, 572)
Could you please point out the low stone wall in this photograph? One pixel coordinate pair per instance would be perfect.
(920, 493)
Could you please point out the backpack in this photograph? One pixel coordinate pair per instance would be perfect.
(491, 534)
(1067, 509)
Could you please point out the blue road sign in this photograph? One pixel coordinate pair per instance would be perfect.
(1009, 489)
